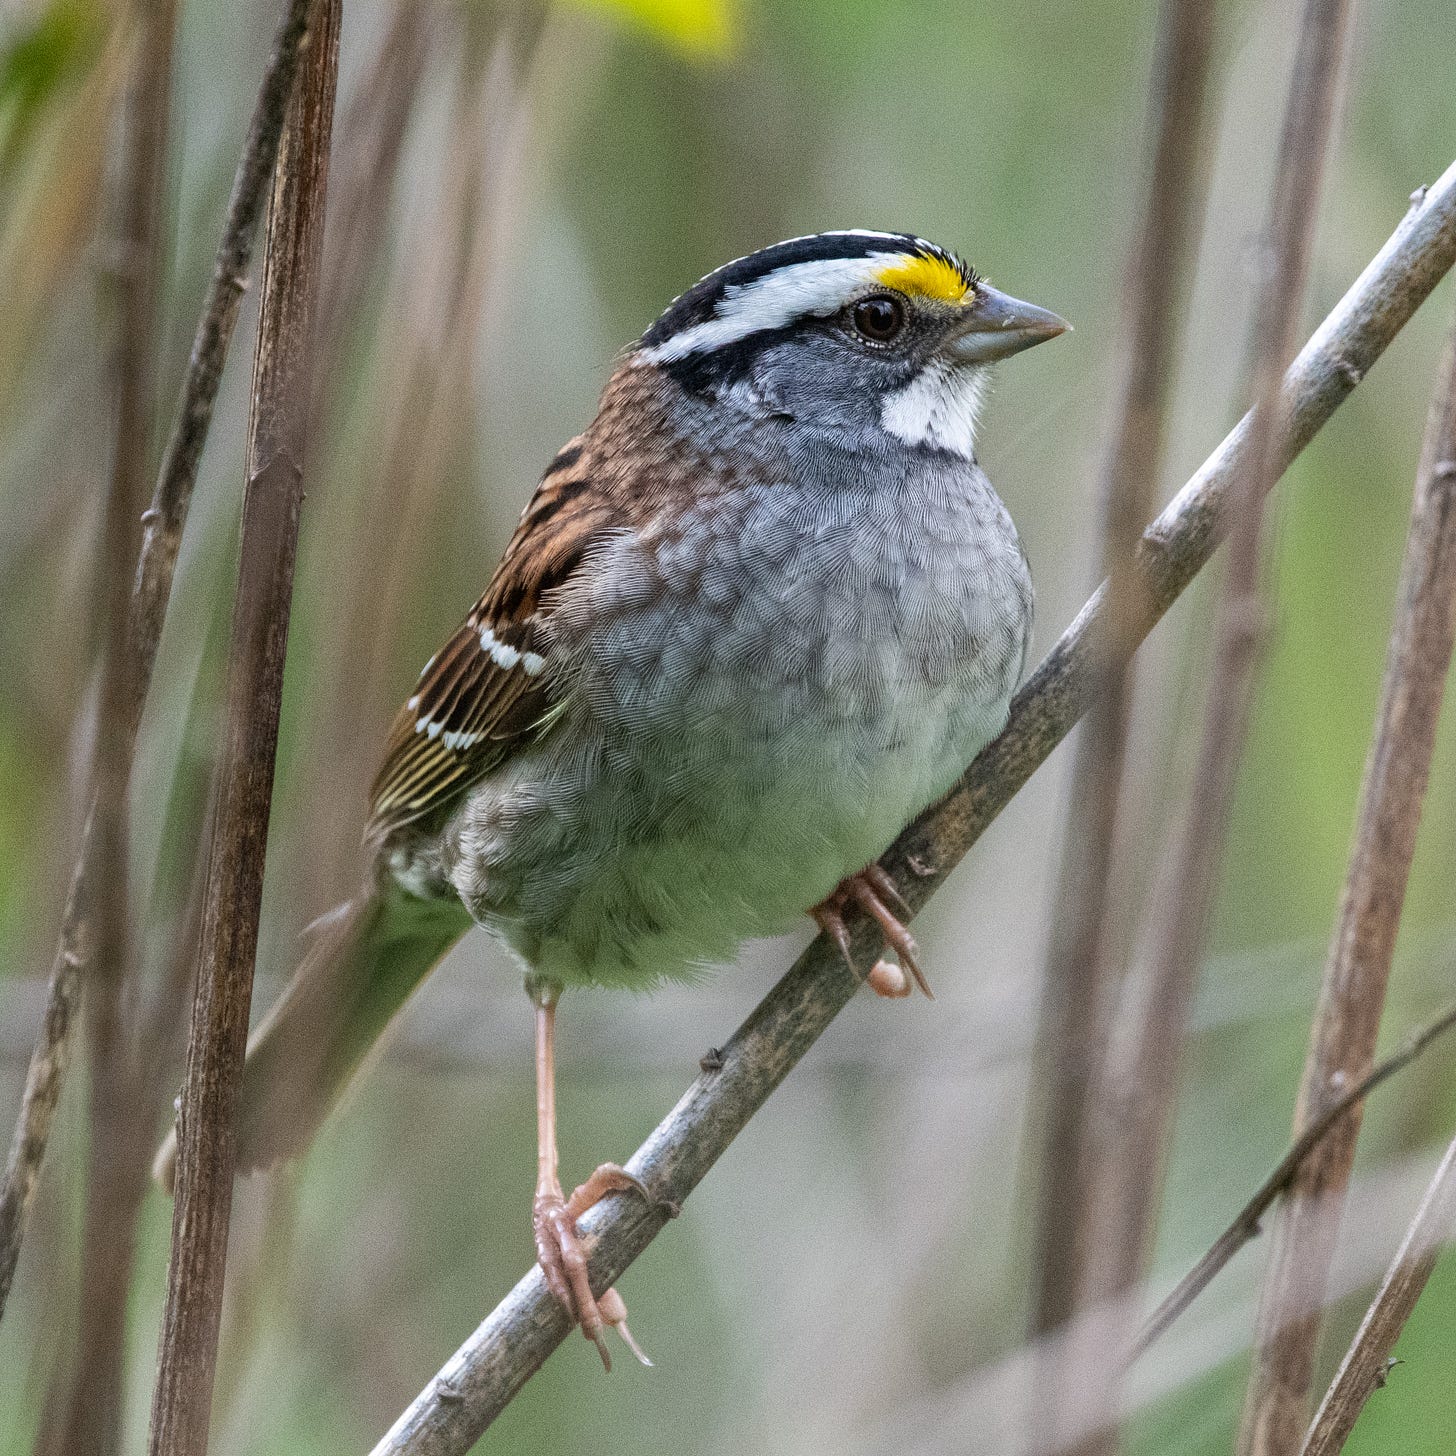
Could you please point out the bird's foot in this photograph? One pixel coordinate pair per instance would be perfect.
(563, 1261)
(875, 893)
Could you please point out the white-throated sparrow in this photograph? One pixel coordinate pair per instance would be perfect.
(763, 611)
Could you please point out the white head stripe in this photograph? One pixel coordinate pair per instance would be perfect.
(898, 240)
(775, 299)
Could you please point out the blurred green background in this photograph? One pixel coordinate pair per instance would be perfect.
(853, 1276)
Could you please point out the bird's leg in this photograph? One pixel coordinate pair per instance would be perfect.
(554, 1216)
(875, 893)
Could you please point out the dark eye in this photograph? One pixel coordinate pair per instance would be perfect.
(879, 318)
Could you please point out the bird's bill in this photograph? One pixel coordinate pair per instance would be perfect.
(996, 325)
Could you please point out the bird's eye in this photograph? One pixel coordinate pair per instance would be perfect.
(879, 318)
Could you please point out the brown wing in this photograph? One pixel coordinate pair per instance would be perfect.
(488, 690)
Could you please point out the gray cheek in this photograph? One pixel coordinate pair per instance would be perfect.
(827, 384)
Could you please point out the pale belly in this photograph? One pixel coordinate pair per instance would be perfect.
(730, 767)
(649, 860)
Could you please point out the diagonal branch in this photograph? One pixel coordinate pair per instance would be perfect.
(162, 528)
(489, 1369)
(1433, 532)
(1352, 996)
(1245, 1224)
(1362, 1372)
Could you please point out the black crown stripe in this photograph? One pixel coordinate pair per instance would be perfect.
(697, 305)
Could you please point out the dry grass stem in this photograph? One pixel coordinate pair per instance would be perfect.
(89, 1388)
(1352, 995)
(488, 1370)
(1078, 981)
(371, 132)
(162, 535)
(1129, 1112)
(182, 1399)
(1363, 1370)
(1246, 1224)
(1364, 1367)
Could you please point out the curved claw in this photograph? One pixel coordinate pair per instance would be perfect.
(563, 1260)
(831, 922)
(614, 1311)
(874, 892)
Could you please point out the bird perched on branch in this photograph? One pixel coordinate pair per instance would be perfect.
(764, 610)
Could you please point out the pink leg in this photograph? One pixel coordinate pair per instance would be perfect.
(553, 1216)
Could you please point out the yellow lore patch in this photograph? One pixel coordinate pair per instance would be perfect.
(925, 276)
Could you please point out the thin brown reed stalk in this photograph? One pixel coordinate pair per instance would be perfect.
(162, 536)
(117, 1161)
(282, 360)
(1352, 995)
(1080, 977)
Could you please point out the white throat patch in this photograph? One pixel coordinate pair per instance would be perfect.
(939, 407)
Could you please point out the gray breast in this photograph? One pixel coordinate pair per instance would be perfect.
(757, 700)
(820, 594)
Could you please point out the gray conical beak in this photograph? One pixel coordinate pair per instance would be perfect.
(995, 325)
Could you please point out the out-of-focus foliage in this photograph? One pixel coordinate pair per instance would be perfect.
(852, 1274)
(709, 27)
(40, 56)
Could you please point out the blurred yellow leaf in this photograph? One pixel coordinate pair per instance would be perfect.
(702, 27)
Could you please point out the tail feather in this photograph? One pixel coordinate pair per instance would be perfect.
(367, 956)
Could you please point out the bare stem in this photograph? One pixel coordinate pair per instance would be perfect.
(1366, 1362)
(1352, 995)
(1246, 1225)
(207, 1138)
(1079, 980)
(481, 1378)
(162, 535)
(91, 1387)
(372, 130)
(1131, 1110)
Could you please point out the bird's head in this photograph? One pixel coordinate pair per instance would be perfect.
(858, 332)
